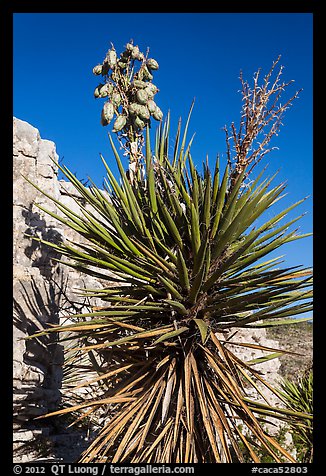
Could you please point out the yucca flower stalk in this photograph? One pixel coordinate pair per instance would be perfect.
(184, 265)
(129, 91)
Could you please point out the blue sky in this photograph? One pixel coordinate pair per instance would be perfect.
(200, 56)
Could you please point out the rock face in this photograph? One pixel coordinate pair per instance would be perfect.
(43, 291)
(36, 370)
(40, 288)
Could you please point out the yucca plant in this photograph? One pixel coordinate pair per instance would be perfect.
(185, 268)
(298, 396)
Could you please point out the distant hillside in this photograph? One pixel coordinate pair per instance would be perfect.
(296, 338)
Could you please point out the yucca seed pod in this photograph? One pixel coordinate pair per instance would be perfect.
(146, 73)
(135, 52)
(97, 69)
(152, 64)
(151, 87)
(144, 113)
(110, 88)
(103, 93)
(134, 108)
(107, 113)
(139, 123)
(158, 114)
(111, 58)
(151, 106)
(141, 57)
(116, 99)
(142, 96)
(139, 84)
(105, 90)
(129, 47)
(149, 92)
(119, 123)
(97, 90)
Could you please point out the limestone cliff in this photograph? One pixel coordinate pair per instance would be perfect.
(43, 289)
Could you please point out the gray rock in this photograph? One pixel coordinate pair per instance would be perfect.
(41, 293)
(26, 138)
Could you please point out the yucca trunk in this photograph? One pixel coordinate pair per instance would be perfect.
(185, 407)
